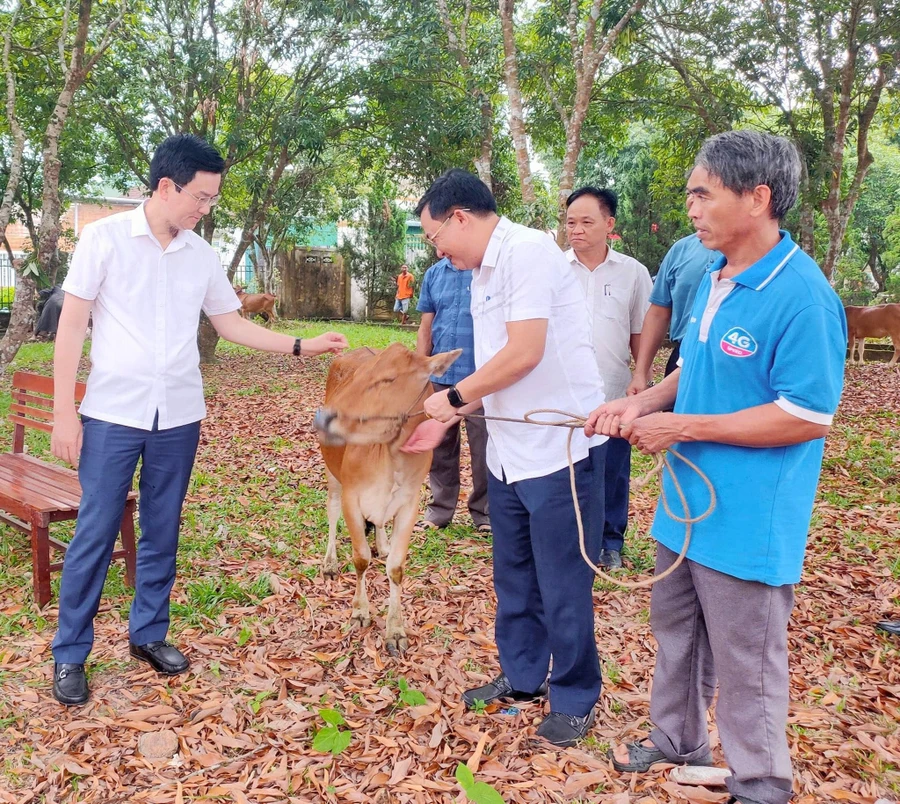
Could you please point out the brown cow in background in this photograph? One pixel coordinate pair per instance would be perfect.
(879, 321)
(373, 402)
(256, 304)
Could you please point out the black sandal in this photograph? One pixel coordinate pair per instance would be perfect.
(641, 758)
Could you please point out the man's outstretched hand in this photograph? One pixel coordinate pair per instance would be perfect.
(332, 342)
(426, 436)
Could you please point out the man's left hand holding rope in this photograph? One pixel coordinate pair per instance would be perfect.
(637, 419)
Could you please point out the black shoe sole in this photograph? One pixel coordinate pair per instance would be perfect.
(158, 670)
(507, 700)
(573, 741)
(71, 701)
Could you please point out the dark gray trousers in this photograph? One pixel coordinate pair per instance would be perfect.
(444, 476)
(713, 626)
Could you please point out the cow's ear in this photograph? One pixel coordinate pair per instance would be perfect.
(438, 364)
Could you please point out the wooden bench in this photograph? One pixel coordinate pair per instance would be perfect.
(34, 493)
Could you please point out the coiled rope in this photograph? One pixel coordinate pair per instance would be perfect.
(574, 422)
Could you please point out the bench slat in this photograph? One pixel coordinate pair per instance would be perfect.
(34, 490)
(55, 478)
(40, 383)
(58, 484)
(21, 421)
(61, 477)
(38, 413)
(32, 400)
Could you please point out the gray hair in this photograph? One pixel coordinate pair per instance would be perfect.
(743, 160)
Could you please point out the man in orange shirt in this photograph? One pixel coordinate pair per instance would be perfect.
(405, 284)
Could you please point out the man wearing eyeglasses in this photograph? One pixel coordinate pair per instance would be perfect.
(145, 276)
(533, 349)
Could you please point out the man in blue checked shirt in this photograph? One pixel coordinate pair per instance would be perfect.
(444, 302)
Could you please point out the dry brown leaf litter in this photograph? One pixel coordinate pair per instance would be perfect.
(245, 714)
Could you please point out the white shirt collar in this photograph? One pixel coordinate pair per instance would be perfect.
(492, 252)
(140, 226)
(611, 256)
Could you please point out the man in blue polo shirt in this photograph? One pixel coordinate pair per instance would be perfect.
(760, 376)
(671, 300)
(444, 302)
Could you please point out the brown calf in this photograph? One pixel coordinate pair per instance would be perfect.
(373, 402)
(256, 304)
(879, 321)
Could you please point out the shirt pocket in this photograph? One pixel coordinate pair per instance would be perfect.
(614, 303)
(186, 296)
(493, 317)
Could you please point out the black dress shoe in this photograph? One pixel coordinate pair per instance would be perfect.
(70, 685)
(501, 690)
(611, 559)
(161, 656)
(565, 730)
(889, 627)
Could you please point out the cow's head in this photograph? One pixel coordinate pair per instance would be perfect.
(380, 397)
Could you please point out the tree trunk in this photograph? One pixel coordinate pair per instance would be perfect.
(590, 60)
(483, 160)
(516, 113)
(21, 320)
(207, 340)
(458, 45)
(15, 130)
(807, 210)
(75, 74)
(878, 274)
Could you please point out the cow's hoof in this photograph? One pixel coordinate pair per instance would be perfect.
(396, 645)
(360, 620)
(331, 569)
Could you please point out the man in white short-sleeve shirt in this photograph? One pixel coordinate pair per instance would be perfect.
(532, 350)
(617, 288)
(144, 276)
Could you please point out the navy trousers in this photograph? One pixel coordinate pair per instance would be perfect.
(544, 603)
(616, 490)
(109, 457)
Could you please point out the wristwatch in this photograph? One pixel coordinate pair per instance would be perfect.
(454, 398)
(297, 346)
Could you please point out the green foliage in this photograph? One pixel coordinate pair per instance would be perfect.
(331, 739)
(7, 296)
(378, 248)
(651, 214)
(407, 696)
(256, 702)
(476, 792)
(423, 107)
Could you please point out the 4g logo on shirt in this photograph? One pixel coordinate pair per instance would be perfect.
(738, 342)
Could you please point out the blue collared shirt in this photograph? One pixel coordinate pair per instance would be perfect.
(446, 293)
(774, 333)
(678, 278)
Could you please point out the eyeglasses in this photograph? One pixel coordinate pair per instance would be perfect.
(202, 200)
(433, 238)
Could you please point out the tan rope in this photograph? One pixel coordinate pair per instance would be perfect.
(574, 423)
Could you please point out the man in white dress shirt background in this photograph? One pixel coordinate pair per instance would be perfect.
(145, 275)
(617, 288)
(532, 350)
